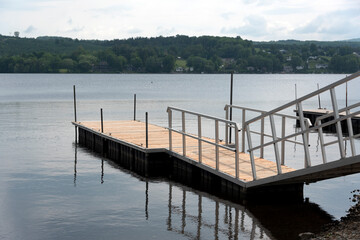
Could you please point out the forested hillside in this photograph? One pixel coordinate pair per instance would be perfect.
(180, 54)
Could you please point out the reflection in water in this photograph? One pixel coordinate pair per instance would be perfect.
(222, 219)
(102, 171)
(250, 227)
(75, 163)
(147, 201)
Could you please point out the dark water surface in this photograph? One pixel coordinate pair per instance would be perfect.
(52, 189)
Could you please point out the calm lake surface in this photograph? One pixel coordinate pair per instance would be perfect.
(52, 189)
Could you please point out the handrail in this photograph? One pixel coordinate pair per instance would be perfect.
(330, 114)
(305, 127)
(261, 133)
(310, 95)
(200, 138)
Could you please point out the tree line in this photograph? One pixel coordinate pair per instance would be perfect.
(206, 54)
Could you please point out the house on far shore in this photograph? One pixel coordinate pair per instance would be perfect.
(179, 69)
(321, 66)
(288, 69)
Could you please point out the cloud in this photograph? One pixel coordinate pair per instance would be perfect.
(165, 31)
(335, 25)
(134, 30)
(227, 15)
(75, 30)
(255, 26)
(69, 21)
(30, 29)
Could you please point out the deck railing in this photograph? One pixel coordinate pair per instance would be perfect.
(261, 133)
(199, 136)
(342, 115)
(304, 129)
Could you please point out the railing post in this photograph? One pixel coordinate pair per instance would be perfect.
(351, 134)
(134, 107)
(321, 137)
(262, 137)
(231, 100)
(243, 132)
(276, 148)
(338, 123)
(147, 130)
(75, 113)
(102, 122)
(226, 125)
(237, 152)
(170, 128)
(183, 132)
(283, 120)
(217, 144)
(252, 159)
(305, 139)
(199, 142)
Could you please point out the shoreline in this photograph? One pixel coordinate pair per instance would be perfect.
(347, 228)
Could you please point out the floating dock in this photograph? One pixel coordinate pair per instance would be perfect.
(233, 169)
(313, 114)
(125, 143)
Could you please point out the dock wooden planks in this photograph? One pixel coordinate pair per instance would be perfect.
(133, 132)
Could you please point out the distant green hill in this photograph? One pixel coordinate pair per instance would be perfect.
(15, 46)
(179, 54)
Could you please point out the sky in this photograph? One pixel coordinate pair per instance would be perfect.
(257, 20)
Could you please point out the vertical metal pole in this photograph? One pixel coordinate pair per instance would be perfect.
(170, 128)
(276, 148)
(102, 120)
(75, 113)
(231, 101)
(183, 132)
(283, 141)
(296, 96)
(147, 129)
(338, 123)
(226, 125)
(134, 107)
(321, 137)
(305, 139)
(75, 103)
(252, 158)
(217, 144)
(237, 151)
(243, 132)
(262, 138)
(199, 141)
(346, 97)
(351, 133)
(319, 97)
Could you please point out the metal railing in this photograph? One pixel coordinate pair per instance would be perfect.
(304, 128)
(262, 131)
(200, 138)
(342, 115)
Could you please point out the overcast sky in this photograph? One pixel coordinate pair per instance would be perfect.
(118, 19)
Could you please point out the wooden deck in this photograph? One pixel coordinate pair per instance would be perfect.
(133, 133)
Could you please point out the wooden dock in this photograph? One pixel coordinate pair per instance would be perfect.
(133, 133)
(230, 169)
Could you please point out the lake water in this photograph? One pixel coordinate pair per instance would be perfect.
(52, 189)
